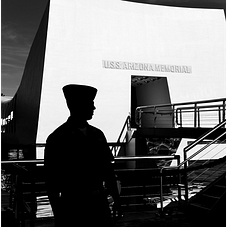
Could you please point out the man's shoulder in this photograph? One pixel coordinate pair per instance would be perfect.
(95, 130)
(58, 131)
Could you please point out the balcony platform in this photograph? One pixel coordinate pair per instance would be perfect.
(184, 132)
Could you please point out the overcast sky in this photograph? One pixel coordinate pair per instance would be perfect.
(19, 23)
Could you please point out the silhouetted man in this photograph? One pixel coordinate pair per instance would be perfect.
(77, 162)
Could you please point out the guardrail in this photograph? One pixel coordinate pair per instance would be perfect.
(119, 158)
(19, 205)
(205, 113)
(123, 137)
(21, 170)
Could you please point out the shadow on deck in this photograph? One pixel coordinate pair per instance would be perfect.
(132, 219)
(138, 218)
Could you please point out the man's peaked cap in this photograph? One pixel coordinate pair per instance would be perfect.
(74, 92)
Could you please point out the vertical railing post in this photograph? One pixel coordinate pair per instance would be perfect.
(173, 116)
(140, 118)
(33, 203)
(223, 114)
(219, 114)
(114, 150)
(12, 186)
(161, 190)
(129, 123)
(195, 115)
(181, 121)
(198, 111)
(179, 187)
(19, 204)
(179, 181)
(185, 175)
(176, 113)
(155, 116)
(16, 201)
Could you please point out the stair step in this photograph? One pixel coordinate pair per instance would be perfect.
(216, 190)
(210, 196)
(200, 206)
(220, 186)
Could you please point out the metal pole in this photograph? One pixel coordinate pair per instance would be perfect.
(173, 116)
(33, 202)
(198, 117)
(161, 192)
(185, 176)
(195, 115)
(181, 123)
(179, 188)
(223, 117)
(219, 114)
(179, 181)
(140, 118)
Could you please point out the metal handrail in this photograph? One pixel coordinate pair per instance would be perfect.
(125, 126)
(22, 204)
(119, 158)
(136, 158)
(193, 155)
(193, 144)
(184, 163)
(195, 108)
(202, 149)
(181, 103)
(34, 161)
(123, 158)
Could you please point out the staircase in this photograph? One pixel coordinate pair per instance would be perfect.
(209, 205)
(140, 187)
(140, 180)
(206, 201)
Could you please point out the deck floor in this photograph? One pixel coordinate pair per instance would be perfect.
(130, 219)
(140, 218)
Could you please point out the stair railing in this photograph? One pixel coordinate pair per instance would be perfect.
(122, 137)
(205, 113)
(18, 203)
(184, 165)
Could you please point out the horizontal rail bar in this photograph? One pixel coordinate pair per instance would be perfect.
(20, 146)
(181, 104)
(36, 161)
(155, 157)
(200, 107)
(123, 158)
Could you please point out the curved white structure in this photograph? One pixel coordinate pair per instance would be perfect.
(104, 43)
